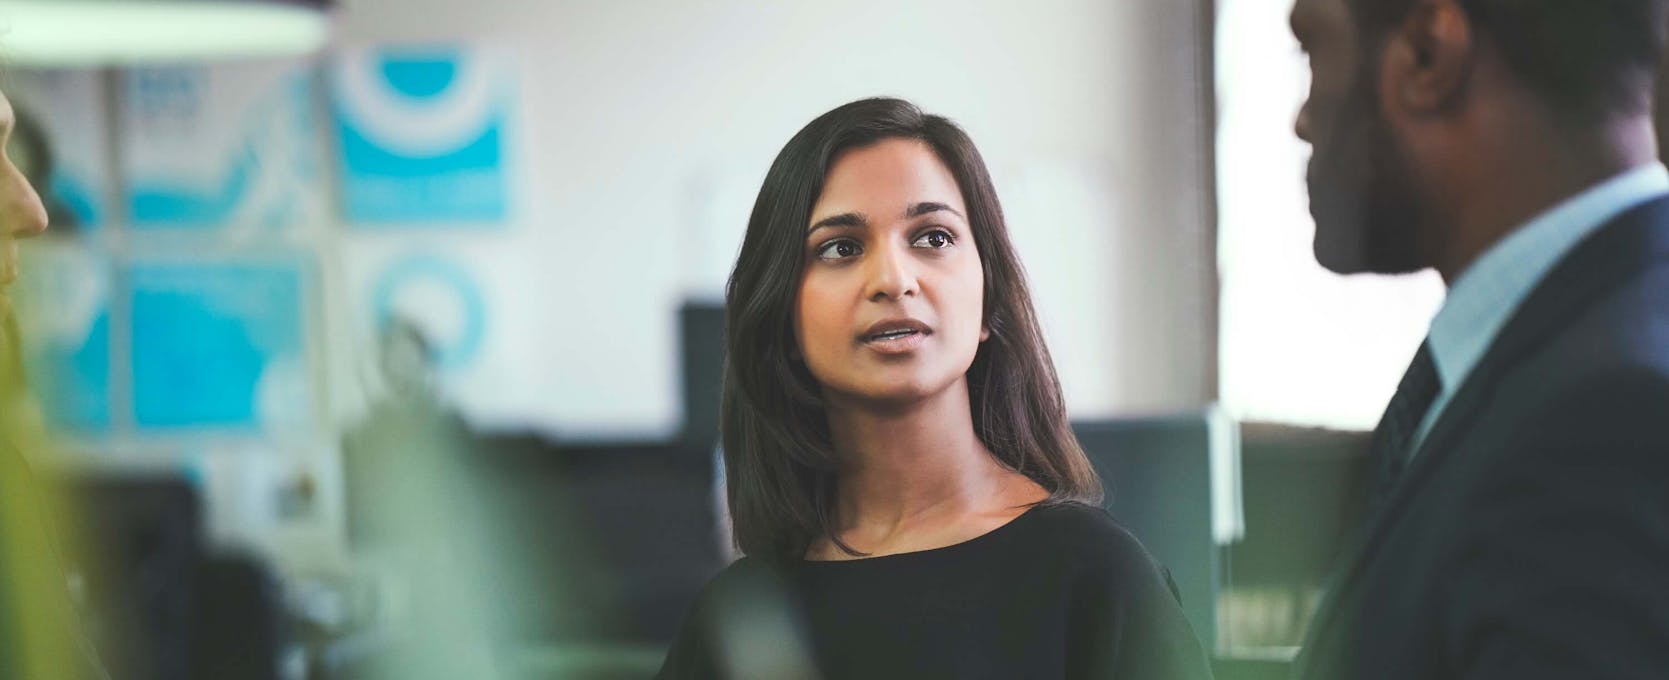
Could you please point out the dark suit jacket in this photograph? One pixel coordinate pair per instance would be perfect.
(1529, 538)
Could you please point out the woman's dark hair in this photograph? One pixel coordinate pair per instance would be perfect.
(779, 461)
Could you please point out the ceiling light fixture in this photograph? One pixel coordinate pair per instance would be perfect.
(97, 32)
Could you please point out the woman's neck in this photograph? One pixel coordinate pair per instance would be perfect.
(918, 466)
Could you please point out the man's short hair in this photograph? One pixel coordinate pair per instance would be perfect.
(1588, 59)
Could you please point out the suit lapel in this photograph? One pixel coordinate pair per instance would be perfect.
(1620, 249)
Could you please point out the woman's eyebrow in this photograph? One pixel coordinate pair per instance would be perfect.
(857, 219)
(927, 207)
(843, 220)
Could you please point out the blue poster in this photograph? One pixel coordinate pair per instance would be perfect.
(222, 147)
(64, 312)
(421, 136)
(218, 345)
(71, 377)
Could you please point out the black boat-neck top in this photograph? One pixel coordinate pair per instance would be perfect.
(1061, 591)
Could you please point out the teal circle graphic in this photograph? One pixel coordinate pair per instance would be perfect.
(467, 345)
(419, 77)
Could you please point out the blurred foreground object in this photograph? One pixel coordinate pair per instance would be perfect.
(416, 522)
(39, 634)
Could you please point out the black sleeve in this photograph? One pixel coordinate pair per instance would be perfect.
(691, 655)
(1126, 621)
(743, 625)
(1563, 571)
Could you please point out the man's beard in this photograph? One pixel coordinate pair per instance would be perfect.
(1367, 214)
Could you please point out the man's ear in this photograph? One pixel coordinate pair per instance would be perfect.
(1660, 106)
(1428, 59)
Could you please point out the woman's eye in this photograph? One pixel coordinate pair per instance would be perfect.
(935, 239)
(838, 249)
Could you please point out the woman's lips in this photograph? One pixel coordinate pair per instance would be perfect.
(902, 342)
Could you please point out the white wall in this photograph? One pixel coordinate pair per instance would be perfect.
(647, 127)
(1300, 345)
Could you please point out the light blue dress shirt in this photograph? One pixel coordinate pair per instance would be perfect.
(1487, 294)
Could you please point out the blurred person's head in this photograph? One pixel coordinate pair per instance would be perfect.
(1421, 110)
(22, 215)
(38, 636)
(877, 273)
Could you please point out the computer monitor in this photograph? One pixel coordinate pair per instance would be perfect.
(1174, 482)
(143, 545)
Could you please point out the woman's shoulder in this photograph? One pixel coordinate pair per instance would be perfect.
(1093, 537)
(1123, 599)
(747, 604)
(749, 578)
(1076, 520)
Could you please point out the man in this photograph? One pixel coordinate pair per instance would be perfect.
(1522, 528)
(39, 637)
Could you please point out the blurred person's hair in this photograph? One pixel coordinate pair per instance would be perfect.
(35, 156)
(1587, 60)
(14, 387)
(11, 358)
(780, 464)
(39, 161)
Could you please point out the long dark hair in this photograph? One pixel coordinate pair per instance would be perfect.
(780, 465)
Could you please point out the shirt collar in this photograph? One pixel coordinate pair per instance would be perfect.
(1487, 293)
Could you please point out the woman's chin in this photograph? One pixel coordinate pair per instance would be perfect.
(900, 391)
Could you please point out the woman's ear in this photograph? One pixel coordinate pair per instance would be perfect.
(984, 333)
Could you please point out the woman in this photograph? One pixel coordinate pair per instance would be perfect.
(901, 476)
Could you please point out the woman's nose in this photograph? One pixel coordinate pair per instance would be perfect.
(892, 274)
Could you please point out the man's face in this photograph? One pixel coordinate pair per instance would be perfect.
(1360, 185)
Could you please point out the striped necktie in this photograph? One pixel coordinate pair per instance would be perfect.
(1395, 434)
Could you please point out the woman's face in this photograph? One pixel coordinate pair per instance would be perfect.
(891, 307)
